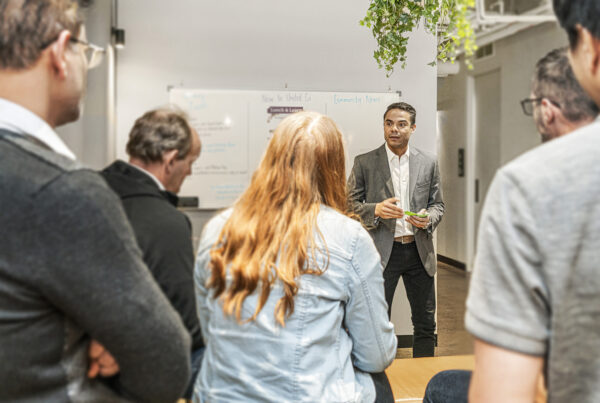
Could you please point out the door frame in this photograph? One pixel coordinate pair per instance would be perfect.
(470, 168)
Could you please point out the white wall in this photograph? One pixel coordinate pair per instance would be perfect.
(516, 57)
(260, 45)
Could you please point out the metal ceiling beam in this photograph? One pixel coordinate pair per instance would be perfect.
(533, 17)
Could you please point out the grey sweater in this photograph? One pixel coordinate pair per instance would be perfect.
(70, 270)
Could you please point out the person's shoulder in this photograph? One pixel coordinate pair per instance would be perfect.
(31, 165)
(213, 227)
(220, 218)
(48, 172)
(425, 155)
(568, 156)
(129, 182)
(83, 189)
(370, 154)
(338, 228)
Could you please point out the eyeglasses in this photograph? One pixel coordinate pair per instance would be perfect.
(93, 53)
(528, 103)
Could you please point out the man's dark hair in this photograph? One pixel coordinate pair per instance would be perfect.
(583, 12)
(404, 107)
(27, 27)
(554, 79)
(159, 131)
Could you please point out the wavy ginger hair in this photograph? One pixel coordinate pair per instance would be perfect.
(273, 223)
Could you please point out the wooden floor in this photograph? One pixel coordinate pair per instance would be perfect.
(409, 376)
(453, 339)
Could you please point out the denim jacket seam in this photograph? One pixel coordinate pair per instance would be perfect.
(366, 293)
(299, 348)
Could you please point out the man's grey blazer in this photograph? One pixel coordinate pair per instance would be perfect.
(370, 183)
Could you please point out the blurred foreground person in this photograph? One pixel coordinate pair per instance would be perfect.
(289, 288)
(534, 295)
(70, 269)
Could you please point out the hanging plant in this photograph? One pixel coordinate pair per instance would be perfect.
(392, 20)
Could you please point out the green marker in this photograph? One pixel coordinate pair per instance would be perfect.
(410, 213)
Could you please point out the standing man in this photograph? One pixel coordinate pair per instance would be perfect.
(385, 186)
(70, 269)
(559, 106)
(162, 147)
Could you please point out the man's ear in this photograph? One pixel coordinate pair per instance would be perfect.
(169, 158)
(413, 128)
(548, 111)
(58, 54)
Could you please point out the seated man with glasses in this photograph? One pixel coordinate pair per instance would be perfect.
(70, 268)
(558, 104)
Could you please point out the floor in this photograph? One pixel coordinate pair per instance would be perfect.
(453, 339)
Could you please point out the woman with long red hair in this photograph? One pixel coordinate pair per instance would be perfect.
(289, 286)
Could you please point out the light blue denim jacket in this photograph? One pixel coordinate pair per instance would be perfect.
(338, 331)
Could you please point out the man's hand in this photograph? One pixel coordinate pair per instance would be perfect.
(389, 209)
(419, 222)
(101, 361)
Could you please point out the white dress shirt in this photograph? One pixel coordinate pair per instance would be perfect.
(399, 170)
(20, 120)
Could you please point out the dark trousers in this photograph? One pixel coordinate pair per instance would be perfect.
(448, 387)
(197, 357)
(420, 289)
(383, 390)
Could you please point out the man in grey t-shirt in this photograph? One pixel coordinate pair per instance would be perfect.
(534, 294)
(534, 300)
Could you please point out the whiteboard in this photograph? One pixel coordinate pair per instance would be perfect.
(235, 127)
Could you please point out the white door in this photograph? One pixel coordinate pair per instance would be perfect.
(483, 145)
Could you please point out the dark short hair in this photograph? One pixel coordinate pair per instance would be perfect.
(554, 79)
(583, 12)
(27, 27)
(404, 107)
(159, 131)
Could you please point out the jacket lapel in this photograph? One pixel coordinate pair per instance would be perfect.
(414, 166)
(383, 166)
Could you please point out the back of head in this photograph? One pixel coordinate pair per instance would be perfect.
(583, 12)
(157, 132)
(28, 27)
(305, 161)
(272, 225)
(554, 79)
